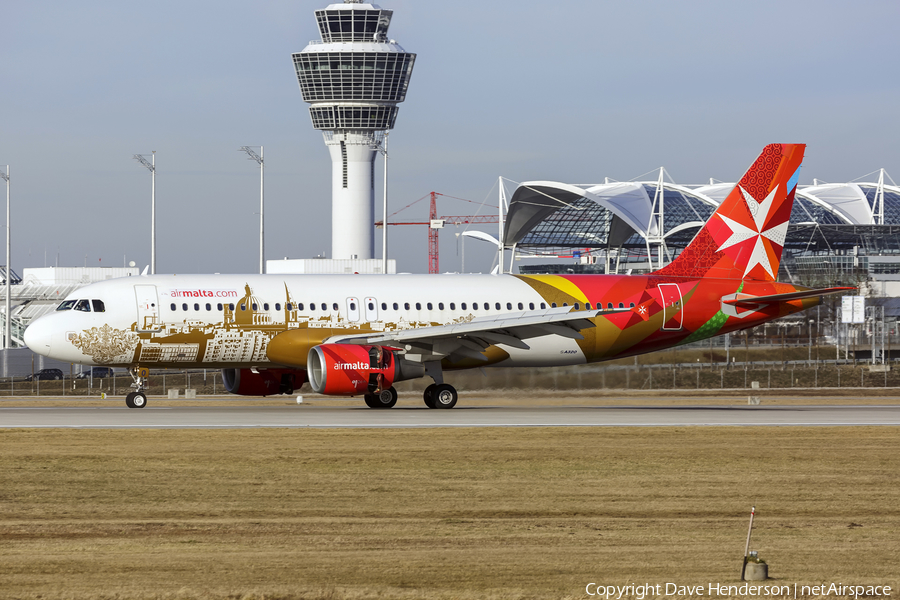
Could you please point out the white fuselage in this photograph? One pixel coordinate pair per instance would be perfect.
(221, 321)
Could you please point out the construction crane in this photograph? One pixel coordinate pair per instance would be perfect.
(436, 223)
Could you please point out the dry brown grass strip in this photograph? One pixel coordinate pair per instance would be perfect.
(461, 513)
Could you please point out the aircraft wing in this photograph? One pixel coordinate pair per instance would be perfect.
(468, 339)
(748, 300)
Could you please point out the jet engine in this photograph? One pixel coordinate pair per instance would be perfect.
(264, 382)
(350, 370)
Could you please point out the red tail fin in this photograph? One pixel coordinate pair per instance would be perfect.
(744, 238)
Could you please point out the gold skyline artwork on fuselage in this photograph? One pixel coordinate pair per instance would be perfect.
(241, 337)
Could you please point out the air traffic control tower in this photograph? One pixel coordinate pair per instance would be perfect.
(353, 79)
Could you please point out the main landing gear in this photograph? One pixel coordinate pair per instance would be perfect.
(437, 395)
(383, 399)
(440, 395)
(137, 398)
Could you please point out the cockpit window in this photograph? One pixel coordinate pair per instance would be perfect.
(98, 305)
(83, 305)
(66, 305)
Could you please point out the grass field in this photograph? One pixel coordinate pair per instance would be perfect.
(462, 513)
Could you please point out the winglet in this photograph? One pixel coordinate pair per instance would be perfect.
(744, 238)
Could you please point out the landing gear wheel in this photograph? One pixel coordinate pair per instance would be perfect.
(444, 396)
(387, 398)
(129, 400)
(138, 400)
(428, 395)
(383, 399)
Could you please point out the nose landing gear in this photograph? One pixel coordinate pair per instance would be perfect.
(137, 398)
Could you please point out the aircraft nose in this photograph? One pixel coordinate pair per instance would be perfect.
(37, 337)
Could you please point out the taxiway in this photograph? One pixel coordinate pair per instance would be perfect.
(168, 417)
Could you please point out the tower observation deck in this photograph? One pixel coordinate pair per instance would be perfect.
(353, 79)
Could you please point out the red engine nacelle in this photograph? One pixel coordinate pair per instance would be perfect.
(265, 382)
(349, 370)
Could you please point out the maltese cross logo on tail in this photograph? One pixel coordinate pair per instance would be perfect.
(763, 239)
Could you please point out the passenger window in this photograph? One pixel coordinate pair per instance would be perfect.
(255, 306)
(299, 306)
(609, 305)
(474, 306)
(278, 306)
(372, 306)
(83, 306)
(587, 305)
(406, 305)
(243, 307)
(333, 306)
(325, 306)
(208, 307)
(174, 307)
(521, 306)
(312, 306)
(196, 306)
(440, 306)
(218, 306)
(621, 305)
(231, 307)
(531, 306)
(184, 307)
(632, 305)
(497, 306)
(543, 306)
(565, 303)
(577, 306)
(98, 305)
(463, 305)
(418, 306)
(453, 306)
(509, 306)
(396, 306)
(429, 306)
(67, 305)
(384, 306)
(353, 306)
(265, 306)
(289, 306)
(553, 305)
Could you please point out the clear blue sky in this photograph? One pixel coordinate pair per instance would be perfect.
(568, 91)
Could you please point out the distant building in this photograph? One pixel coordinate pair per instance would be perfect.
(353, 79)
(839, 233)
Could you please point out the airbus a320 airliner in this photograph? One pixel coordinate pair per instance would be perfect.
(357, 335)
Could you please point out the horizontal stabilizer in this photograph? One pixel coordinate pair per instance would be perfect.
(747, 300)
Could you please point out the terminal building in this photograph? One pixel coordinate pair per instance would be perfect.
(839, 232)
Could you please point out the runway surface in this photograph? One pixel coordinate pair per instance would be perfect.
(408, 417)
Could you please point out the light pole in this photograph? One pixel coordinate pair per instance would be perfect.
(7, 327)
(384, 256)
(151, 164)
(259, 159)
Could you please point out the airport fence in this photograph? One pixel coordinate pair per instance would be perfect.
(206, 383)
(646, 377)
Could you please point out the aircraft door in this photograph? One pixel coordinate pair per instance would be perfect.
(673, 315)
(371, 310)
(147, 308)
(353, 309)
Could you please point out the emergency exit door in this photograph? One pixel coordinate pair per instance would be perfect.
(147, 308)
(673, 309)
